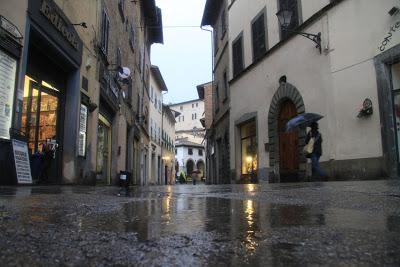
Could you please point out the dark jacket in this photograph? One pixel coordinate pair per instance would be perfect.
(318, 141)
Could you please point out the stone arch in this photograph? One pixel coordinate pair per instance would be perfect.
(189, 166)
(201, 167)
(286, 91)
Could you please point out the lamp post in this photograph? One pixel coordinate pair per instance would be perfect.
(285, 19)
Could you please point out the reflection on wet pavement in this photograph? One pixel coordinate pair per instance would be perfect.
(293, 224)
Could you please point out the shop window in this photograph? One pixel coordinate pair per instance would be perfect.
(248, 137)
(258, 37)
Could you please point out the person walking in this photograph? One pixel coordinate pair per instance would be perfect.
(317, 171)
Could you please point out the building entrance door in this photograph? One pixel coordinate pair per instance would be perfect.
(396, 107)
(40, 122)
(288, 144)
(104, 150)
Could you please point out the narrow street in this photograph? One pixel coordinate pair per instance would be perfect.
(336, 223)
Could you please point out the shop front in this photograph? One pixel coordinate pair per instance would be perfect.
(103, 166)
(387, 65)
(249, 155)
(52, 57)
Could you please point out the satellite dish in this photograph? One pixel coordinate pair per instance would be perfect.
(124, 73)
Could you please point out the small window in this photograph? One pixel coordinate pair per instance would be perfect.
(121, 7)
(216, 99)
(176, 151)
(200, 152)
(119, 57)
(105, 29)
(132, 38)
(192, 105)
(223, 23)
(183, 118)
(237, 54)
(197, 105)
(215, 40)
(190, 151)
(225, 86)
(181, 107)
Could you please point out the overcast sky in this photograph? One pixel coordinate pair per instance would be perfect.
(185, 58)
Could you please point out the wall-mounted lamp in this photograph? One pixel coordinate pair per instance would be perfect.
(285, 19)
(82, 24)
(393, 11)
(366, 109)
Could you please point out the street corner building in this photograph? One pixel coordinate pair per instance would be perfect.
(75, 81)
(336, 58)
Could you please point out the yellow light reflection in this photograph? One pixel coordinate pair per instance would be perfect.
(49, 85)
(251, 242)
(250, 187)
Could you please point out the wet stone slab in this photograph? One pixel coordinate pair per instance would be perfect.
(337, 223)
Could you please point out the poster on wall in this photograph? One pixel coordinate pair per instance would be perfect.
(21, 160)
(8, 69)
(82, 130)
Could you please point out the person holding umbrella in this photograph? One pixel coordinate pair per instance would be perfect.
(316, 153)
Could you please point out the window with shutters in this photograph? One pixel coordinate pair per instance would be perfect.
(223, 24)
(121, 7)
(215, 40)
(225, 86)
(258, 36)
(237, 54)
(119, 57)
(105, 28)
(216, 99)
(292, 5)
(132, 38)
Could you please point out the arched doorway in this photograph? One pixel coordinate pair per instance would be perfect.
(189, 167)
(288, 144)
(278, 150)
(200, 167)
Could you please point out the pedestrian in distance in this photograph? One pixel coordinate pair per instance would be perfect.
(315, 137)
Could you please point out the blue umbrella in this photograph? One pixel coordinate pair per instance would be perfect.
(302, 121)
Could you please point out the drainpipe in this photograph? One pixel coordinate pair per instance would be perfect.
(212, 86)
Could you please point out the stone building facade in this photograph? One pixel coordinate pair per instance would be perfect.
(81, 84)
(216, 16)
(350, 79)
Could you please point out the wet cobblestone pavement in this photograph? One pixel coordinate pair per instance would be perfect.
(336, 223)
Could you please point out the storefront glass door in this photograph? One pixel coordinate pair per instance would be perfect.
(104, 150)
(39, 122)
(396, 104)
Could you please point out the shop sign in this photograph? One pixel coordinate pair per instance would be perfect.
(82, 130)
(59, 23)
(391, 38)
(8, 69)
(21, 160)
(10, 28)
